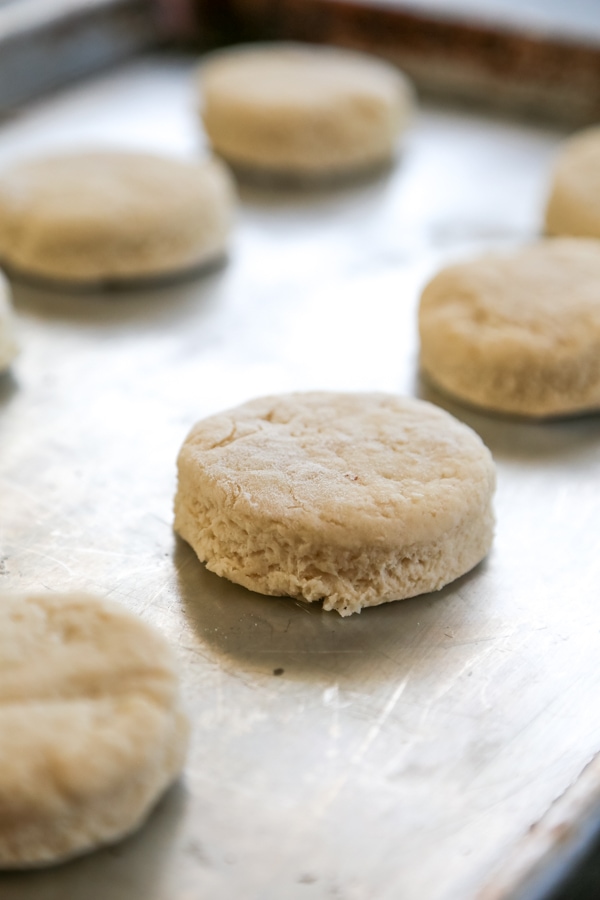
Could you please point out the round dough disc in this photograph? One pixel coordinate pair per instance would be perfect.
(517, 333)
(353, 499)
(301, 110)
(110, 216)
(91, 728)
(574, 203)
(8, 342)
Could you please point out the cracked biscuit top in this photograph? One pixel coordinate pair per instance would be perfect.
(298, 493)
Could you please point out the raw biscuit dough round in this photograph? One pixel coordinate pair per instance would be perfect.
(574, 203)
(111, 216)
(517, 333)
(91, 730)
(353, 499)
(302, 110)
(8, 341)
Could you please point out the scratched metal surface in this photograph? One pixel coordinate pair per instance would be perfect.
(405, 752)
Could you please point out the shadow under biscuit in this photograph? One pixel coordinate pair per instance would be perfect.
(519, 438)
(8, 386)
(280, 188)
(131, 301)
(285, 637)
(117, 285)
(129, 868)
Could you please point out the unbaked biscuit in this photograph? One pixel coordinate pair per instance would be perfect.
(519, 332)
(8, 341)
(302, 110)
(574, 203)
(111, 216)
(353, 499)
(91, 729)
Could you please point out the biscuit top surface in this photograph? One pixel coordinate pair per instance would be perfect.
(344, 468)
(293, 76)
(65, 649)
(122, 187)
(92, 730)
(545, 297)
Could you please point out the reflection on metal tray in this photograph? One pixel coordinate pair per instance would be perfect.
(405, 752)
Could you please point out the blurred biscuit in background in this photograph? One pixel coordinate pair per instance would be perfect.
(295, 110)
(113, 216)
(574, 202)
(8, 341)
(518, 332)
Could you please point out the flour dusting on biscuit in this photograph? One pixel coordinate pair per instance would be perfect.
(517, 332)
(352, 499)
(91, 727)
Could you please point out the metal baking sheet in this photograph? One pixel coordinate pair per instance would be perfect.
(402, 753)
